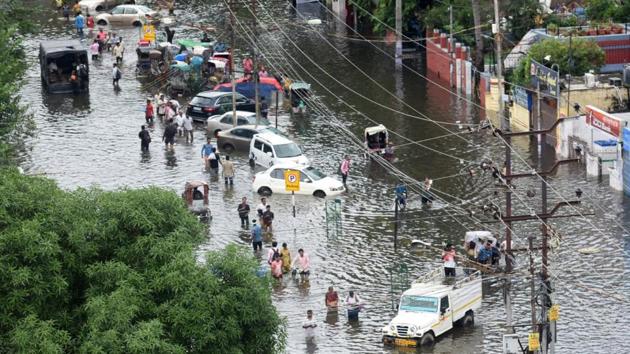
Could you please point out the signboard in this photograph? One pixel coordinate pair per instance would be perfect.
(534, 341)
(603, 121)
(292, 180)
(148, 33)
(520, 96)
(554, 312)
(548, 79)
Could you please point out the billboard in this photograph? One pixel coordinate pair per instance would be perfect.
(603, 121)
(548, 79)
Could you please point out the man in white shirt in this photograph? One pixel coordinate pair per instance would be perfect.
(261, 207)
(179, 120)
(309, 325)
(188, 128)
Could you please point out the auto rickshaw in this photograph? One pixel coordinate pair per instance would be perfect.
(298, 93)
(376, 139)
(143, 65)
(196, 197)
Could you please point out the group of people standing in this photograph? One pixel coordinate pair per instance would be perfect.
(169, 111)
(212, 159)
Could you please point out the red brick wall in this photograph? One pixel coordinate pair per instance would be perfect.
(438, 61)
(482, 91)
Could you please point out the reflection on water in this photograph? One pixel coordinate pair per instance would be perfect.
(92, 139)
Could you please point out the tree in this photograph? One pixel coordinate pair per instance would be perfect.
(522, 16)
(601, 10)
(91, 271)
(586, 55)
(13, 23)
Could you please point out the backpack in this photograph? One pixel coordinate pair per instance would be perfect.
(118, 74)
(275, 254)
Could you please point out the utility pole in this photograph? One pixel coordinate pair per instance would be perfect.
(450, 45)
(255, 73)
(505, 126)
(232, 46)
(398, 15)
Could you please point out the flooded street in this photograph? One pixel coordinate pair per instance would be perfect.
(91, 140)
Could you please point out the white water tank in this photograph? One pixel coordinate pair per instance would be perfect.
(590, 80)
(626, 75)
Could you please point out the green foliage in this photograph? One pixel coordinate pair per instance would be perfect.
(522, 16)
(91, 271)
(13, 22)
(382, 15)
(437, 16)
(601, 10)
(586, 55)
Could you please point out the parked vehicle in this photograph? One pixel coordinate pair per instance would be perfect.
(210, 103)
(432, 305)
(128, 15)
(239, 138)
(196, 196)
(225, 121)
(267, 149)
(57, 60)
(149, 60)
(312, 181)
(94, 6)
(376, 139)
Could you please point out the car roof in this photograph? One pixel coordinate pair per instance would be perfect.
(214, 94)
(272, 138)
(240, 113)
(289, 165)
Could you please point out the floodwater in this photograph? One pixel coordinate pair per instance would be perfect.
(90, 140)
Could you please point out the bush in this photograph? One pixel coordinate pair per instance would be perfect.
(115, 272)
(585, 54)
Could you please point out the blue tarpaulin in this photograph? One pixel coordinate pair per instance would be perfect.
(606, 143)
(248, 89)
(626, 139)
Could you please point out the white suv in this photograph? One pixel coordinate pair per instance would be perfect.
(312, 181)
(267, 149)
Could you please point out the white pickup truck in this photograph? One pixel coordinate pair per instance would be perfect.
(432, 305)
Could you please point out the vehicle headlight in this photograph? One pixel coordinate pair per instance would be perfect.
(412, 329)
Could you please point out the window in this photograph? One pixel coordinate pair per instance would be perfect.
(202, 101)
(267, 148)
(244, 133)
(288, 150)
(314, 173)
(418, 303)
(118, 10)
(241, 121)
(223, 100)
(258, 144)
(278, 173)
(444, 304)
(304, 178)
(227, 119)
(242, 99)
(130, 11)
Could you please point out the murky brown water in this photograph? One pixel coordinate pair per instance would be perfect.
(92, 140)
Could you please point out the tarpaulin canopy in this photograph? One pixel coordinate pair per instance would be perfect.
(248, 88)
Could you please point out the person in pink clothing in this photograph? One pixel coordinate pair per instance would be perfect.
(276, 267)
(302, 263)
(345, 168)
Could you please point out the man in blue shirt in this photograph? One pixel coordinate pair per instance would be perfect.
(486, 254)
(256, 236)
(401, 195)
(79, 23)
(206, 151)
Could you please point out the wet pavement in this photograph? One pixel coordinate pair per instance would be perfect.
(91, 140)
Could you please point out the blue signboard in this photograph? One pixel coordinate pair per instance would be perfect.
(626, 139)
(548, 79)
(520, 97)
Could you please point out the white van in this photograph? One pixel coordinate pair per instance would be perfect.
(267, 149)
(432, 305)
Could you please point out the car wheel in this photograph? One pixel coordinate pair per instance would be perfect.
(469, 319)
(264, 191)
(319, 194)
(252, 163)
(102, 23)
(228, 148)
(427, 340)
(137, 23)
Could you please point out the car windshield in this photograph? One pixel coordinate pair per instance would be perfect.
(288, 150)
(202, 101)
(314, 173)
(144, 9)
(419, 303)
(271, 129)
